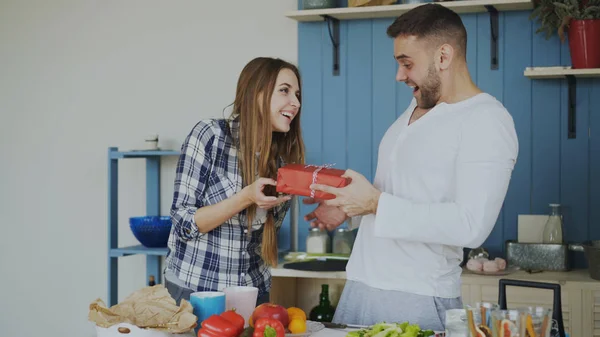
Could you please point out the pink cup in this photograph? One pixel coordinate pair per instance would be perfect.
(242, 299)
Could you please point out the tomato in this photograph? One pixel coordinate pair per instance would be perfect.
(271, 310)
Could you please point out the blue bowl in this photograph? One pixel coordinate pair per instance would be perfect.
(151, 231)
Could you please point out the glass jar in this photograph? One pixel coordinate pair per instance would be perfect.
(317, 241)
(343, 240)
(456, 323)
(553, 228)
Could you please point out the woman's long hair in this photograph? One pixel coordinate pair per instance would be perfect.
(253, 104)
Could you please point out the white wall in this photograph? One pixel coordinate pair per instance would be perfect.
(78, 76)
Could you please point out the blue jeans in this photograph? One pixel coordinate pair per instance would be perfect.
(363, 305)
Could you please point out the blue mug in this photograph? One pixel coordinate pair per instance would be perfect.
(207, 303)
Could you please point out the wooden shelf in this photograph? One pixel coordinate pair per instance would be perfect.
(374, 12)
(334, 15)
(542, 73)
(559, 72)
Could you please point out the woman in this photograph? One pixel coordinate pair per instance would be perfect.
(225, 211)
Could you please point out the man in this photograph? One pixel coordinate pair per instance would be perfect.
(443, 171)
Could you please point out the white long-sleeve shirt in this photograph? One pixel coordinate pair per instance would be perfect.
(443, 180)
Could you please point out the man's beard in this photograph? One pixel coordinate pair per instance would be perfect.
(430, 89)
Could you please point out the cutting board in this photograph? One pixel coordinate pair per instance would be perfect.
(318, 265)
(332, 333)
(342, 333)
(530, 227)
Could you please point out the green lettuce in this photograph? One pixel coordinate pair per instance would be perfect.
(384, 329)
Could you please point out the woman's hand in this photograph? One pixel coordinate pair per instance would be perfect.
(255, 194)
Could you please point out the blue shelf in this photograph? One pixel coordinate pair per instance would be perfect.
(142, 154)
(139, 249)
(153, 255)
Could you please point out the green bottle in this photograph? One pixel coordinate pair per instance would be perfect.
(324, 311)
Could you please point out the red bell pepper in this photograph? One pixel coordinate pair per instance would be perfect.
(206, 333)
(217, 326)
(268, 327)
(236, 319)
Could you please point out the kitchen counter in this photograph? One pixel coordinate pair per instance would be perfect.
(576, 275)
(580, 293)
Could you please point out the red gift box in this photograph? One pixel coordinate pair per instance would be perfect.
(296, 179)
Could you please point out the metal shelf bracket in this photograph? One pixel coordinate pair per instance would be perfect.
(334, 35)
(572, 83)
(333, 27)
(494, 31)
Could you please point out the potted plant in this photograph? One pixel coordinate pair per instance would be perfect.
(581, 19)
(545, 13)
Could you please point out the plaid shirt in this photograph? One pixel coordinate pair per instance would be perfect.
(207, 173)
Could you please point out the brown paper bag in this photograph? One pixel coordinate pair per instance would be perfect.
(361, 3)
(150, 308)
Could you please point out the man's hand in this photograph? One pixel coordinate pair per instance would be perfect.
(360, 197)
(324, 217)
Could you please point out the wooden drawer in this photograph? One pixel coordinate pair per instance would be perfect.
(596, 313)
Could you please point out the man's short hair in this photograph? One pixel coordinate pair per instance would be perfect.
(433, 22)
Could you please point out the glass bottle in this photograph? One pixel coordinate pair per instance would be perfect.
(324, 311)
(151, 281)
(553, 228)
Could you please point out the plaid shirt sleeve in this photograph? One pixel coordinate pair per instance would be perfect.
(207, 173)
(193, 169)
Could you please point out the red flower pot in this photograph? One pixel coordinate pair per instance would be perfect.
(584, 43)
